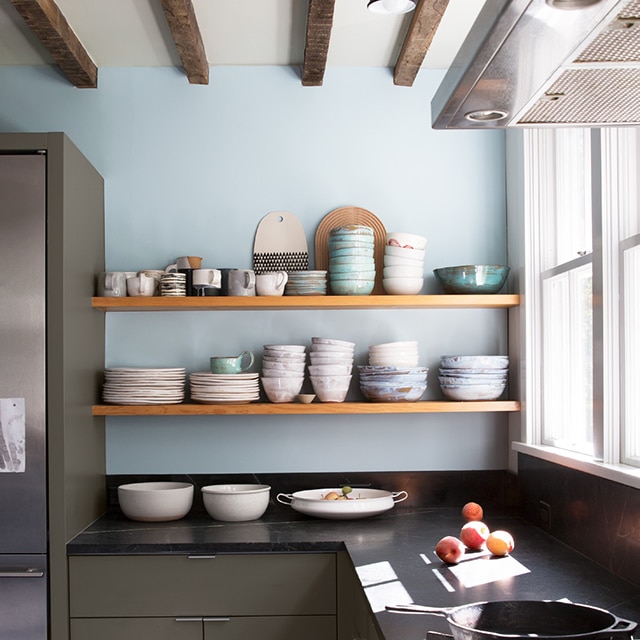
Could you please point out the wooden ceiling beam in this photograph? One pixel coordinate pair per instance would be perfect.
(52, 29)
(319, 25)
(424, 24)
(182, 21)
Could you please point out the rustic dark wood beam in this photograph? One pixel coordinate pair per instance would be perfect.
(181, 18)
(319, 25)
(52, 29)
(424, 24)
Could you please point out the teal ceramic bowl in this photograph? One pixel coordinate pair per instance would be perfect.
(472, 278)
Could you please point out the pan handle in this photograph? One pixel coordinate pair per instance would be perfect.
(622, 627)
(419, 608)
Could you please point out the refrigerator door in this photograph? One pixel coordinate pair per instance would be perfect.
(23, 589)
(23, 495)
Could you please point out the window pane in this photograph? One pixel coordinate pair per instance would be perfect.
(631, 358)
(567, 339)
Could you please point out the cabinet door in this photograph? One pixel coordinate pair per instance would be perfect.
(135, 629)
(271, 628)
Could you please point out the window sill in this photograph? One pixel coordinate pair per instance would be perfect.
(621, 473)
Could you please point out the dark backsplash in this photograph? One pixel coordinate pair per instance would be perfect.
(495, 490)
(597, 517)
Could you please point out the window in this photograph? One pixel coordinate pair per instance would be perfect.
(583, 259)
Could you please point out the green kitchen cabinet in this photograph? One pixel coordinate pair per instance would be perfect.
(223, 597)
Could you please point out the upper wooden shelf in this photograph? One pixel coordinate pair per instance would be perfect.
(293, 408)
(266, 303)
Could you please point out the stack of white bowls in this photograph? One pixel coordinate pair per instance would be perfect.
(393, 384)
(403, 272)
(330, 368)
(352, 268)
(473, 377)
(394, 354)
(283, 371)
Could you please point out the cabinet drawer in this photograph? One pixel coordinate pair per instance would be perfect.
(243, 628)
(224, 585)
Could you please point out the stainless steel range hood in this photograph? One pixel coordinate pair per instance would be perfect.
(540, 63)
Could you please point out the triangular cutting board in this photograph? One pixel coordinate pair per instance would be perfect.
(280, 244)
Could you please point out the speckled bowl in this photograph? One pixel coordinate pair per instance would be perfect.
(472, 278)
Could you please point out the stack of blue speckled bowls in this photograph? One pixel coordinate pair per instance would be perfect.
(352, 269)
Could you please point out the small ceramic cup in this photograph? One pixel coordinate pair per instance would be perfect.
(232, 364)
(142, 285)
(112, 284)
(271, 283)
(241, 282)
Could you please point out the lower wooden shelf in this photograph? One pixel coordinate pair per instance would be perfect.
(316, 408)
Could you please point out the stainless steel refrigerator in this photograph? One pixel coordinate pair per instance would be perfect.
(23, 461)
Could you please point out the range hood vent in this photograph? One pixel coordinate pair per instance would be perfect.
(541, 63)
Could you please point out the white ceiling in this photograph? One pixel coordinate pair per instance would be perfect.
(134, 33)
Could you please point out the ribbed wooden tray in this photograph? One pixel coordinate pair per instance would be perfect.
(351, 215)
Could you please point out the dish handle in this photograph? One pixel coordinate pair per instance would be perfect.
(283, 497)
(399, 496)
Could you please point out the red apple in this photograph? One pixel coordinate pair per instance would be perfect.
(472, 511)
(500, 543)
(450, 549)
(474, 534)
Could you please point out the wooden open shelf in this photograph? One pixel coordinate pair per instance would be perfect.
(316, 408)
(266, 303)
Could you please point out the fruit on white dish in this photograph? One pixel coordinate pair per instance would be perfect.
(500, 543)
(472, 511)
(344, 495)
(450, 549)
(474, 534)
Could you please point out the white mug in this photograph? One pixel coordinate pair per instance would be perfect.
(112, 284)
(207, 278)
(271, 283)
(185, 262)
(242, 282)
(142, 285)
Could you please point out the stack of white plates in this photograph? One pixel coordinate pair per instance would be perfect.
(306, 283)
(224, 388)
(330, 369)
(394, 354)
(473, 377)
(283, 371)
(173, 284)
(128, 385)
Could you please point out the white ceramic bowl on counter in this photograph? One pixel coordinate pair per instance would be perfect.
(236, 502)
(155, 501)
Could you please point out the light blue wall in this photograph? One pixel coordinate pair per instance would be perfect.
(193, 169)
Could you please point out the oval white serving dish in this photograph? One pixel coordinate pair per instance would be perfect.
(365, 503)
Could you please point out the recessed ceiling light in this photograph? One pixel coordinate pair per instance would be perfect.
(391, 6)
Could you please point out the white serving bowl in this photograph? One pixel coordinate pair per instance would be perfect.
(403, 272)
(282, 373)
(393, 362)
(402, 286)
(396, 261)
(320, 358)
(334, 342)
(321, 347)
(282, 389)
(236, 502)
(155, 501)
(330, 388)
(400, 252)
(400, 344)
(267, 365)
(474, 362)
(330, 369)
(295, 348)
(406, 240)
(473, 392)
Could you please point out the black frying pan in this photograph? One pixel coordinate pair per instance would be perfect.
(539, 619)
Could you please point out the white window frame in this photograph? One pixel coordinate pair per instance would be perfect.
(607, 175)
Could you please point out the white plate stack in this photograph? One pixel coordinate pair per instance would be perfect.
(473, 377)
(330, 369)
(224, 388)
(143, 385)
(283, 371)
(394, 354)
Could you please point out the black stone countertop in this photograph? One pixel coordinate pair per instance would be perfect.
(394, 555)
